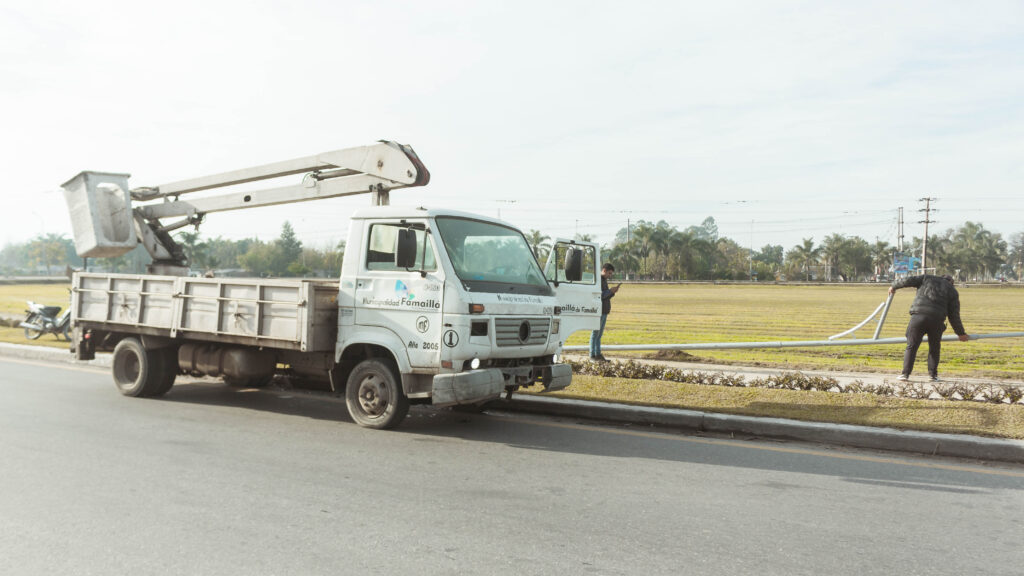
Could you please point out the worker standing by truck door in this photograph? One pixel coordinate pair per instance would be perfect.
(606, 307)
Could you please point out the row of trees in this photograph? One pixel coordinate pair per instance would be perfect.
(285, 256)
(660, 251)
(648, 250)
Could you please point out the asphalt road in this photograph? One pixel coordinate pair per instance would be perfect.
(213, 480)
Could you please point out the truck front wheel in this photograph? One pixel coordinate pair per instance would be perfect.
(139, 372)
(374, 395)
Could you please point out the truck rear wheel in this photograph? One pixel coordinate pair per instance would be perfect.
(139, 372)
(374, 395)
(168, 369)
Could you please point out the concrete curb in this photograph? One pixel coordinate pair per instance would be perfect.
(48, 354)
(956, 445)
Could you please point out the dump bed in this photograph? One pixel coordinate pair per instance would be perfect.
(292, 314)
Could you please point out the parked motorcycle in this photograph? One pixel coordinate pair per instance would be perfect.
(41, 320)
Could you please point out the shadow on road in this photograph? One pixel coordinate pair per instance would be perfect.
(271, 399)
(580, 437)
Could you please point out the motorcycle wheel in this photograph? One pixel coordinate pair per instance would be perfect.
(29, 332)
(66, 332)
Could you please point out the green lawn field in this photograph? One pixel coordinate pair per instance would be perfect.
(697, 313)
(12, 303)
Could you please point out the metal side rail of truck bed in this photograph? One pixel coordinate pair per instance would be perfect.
(288, 314)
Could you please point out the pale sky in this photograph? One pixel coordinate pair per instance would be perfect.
(783, 120)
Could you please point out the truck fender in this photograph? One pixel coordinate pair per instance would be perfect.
(377, 336)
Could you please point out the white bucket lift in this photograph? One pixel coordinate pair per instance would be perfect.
(101, 214)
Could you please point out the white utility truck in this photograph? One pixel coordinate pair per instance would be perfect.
(432, 306)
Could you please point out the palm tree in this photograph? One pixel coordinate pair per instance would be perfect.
(976, 250)
(803, 256)
(881, 256)
(1016, 256)
(993, 254)
(623, 256)
(539, 243)
(642, 236)
(831, 249)
(660, 240)
(683, 252)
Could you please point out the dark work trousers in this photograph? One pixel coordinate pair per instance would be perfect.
(920, 325)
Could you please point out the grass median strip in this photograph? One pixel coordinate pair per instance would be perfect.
(994, 420)
(17, 336)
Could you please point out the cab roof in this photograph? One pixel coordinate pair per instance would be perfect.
(389, 212)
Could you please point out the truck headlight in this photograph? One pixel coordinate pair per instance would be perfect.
(555, 325)
(474, 363)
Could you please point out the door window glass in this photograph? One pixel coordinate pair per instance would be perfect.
(383, 242)
(558, 257)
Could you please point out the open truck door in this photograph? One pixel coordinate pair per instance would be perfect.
(574, 271)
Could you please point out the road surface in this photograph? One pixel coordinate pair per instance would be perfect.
(215, 480)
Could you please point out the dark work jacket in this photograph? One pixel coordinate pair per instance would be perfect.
(936, 298)
(606, 297)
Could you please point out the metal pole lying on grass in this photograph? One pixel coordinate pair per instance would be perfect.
(779, 344)
(885, 313)
(858, 326)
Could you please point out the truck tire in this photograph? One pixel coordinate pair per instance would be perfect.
(168, 369)
(374, 395)
(138, 372)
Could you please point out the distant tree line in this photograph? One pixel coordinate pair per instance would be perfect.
(647, 251)
(661, 251)
(285, 256)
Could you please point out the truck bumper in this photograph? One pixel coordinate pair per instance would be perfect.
(467, 387)
(554, 377)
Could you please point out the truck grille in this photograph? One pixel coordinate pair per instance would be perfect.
(521, 331)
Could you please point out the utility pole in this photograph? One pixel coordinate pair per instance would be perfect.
(927, 220)
(506, 202)
(750, 254)
(626, 263)
(627, 246)
(1020, 259)
(899, 232)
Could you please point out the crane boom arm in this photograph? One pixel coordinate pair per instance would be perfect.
(312, 189)
(99, 200)
(389, 161)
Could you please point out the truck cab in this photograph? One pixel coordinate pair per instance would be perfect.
(465, 304)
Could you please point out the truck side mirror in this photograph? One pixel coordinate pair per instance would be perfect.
(573, 265)
(405, 250)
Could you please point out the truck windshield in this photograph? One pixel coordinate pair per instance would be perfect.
(491, 258)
